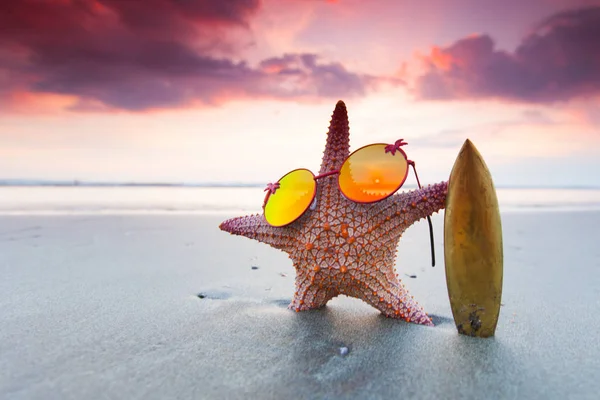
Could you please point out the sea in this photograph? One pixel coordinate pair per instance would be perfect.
(233, 200)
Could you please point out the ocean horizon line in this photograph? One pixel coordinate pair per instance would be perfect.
(77, 183)
(85, 183)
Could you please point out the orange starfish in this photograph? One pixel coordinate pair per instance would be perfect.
(342, 247)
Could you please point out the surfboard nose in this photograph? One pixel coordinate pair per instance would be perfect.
(473, 250)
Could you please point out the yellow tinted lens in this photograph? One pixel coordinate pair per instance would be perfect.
(370, 174)
(296, 192)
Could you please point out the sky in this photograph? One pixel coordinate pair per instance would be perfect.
(243, 90)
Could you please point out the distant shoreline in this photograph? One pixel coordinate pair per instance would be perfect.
(77, 183)
(8, 183)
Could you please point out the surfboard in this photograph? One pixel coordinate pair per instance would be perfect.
(473, 252)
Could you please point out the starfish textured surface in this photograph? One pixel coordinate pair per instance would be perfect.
(343, 247)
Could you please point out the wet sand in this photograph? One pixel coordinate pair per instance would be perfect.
(168, 306)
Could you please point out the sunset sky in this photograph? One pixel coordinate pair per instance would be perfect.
(243, 90)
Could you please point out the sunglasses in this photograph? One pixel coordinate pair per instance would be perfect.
(368, 175)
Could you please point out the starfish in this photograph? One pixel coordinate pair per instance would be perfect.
(340, 247)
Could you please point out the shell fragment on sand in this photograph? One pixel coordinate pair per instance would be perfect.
(473, 245)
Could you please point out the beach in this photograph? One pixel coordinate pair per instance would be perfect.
(151, 152)
(165, 305)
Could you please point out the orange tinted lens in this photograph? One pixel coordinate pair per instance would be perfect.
(296, 192)
(370, 174)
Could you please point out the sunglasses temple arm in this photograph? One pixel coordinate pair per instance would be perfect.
(412, 164)
(431, 241)
(266, 199)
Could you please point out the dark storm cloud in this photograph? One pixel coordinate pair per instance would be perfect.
(559, 61)
(137, 55)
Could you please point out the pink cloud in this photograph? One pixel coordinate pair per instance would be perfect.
(558, 61)
(113, 54)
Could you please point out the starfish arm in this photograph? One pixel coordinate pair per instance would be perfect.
(394, 301)
(256, 227)
(407, 208)
(379, 289)
(337, 147)
(308, 295)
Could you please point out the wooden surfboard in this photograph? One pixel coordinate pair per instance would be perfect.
(473, 251)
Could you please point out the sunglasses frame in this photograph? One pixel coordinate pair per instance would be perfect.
(408, 164)
(389, 148)
(272, 187)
